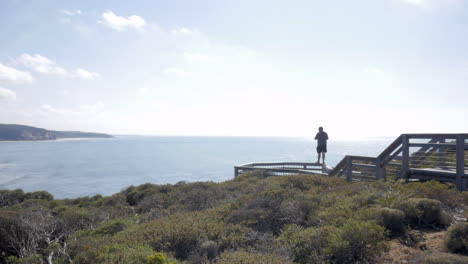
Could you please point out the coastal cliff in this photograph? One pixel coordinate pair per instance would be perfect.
(12, 132)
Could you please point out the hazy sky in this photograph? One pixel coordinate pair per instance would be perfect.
(236, 67)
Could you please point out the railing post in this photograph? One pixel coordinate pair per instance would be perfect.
(379, 171)
(349, 168)
(405, 154)
(460, 161)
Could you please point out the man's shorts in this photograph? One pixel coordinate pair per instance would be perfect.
(322, 149)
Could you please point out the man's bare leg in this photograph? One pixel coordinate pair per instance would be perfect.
(318, 159)
(323, 157)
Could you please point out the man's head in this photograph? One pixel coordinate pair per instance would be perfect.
(320, 129)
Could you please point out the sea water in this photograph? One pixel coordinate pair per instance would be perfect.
(74, 168)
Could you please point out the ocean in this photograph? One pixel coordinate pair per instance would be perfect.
(85, 167)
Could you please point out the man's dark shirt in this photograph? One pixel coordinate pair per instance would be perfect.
(321, 138)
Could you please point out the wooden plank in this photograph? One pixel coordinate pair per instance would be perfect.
(434, 171)
(432, 145)
(362, 158)
(365, 166)
(429, 136)
(301, 164)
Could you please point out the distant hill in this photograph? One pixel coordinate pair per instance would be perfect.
(20, 132)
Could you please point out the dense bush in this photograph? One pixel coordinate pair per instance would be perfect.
(392, 219)
(425, 212)
(269, 214)
(306, 245)
(183, 233)
(356, 242)
(245, 257)
(457, 238)
(448, 195)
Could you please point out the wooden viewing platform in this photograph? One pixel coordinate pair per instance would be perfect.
(441, 157)
(283, 168)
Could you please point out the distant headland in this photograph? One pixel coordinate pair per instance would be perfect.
(12, 132)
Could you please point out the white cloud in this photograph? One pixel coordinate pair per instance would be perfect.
(197, 57)
(7, 94)
(121, 23)
(87, 75)
(41, 64)
(44, 65)
(66, 12)
(183, 31)
(178, 72)
(13, 75)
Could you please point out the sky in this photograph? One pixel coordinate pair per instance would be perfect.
(367, 68)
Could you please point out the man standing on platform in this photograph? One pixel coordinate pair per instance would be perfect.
(321, 138)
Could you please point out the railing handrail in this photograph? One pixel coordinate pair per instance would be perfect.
(392, 147)
(339, 166)
(293, 163)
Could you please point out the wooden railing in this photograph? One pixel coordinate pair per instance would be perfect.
(282, 168)
(418, 156)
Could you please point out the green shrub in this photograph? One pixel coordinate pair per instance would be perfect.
(111, 227)
(449, 196)
(457, 238)
(424, 212)
(41, 195)
(182, 233)
(391, 219)
(245, 257)
(306, 245)
(356, 241)
(440, 258)
(9, 198)
(269, 214)
(119, 254)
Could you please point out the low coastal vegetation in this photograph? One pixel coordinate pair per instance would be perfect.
(250, 219)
